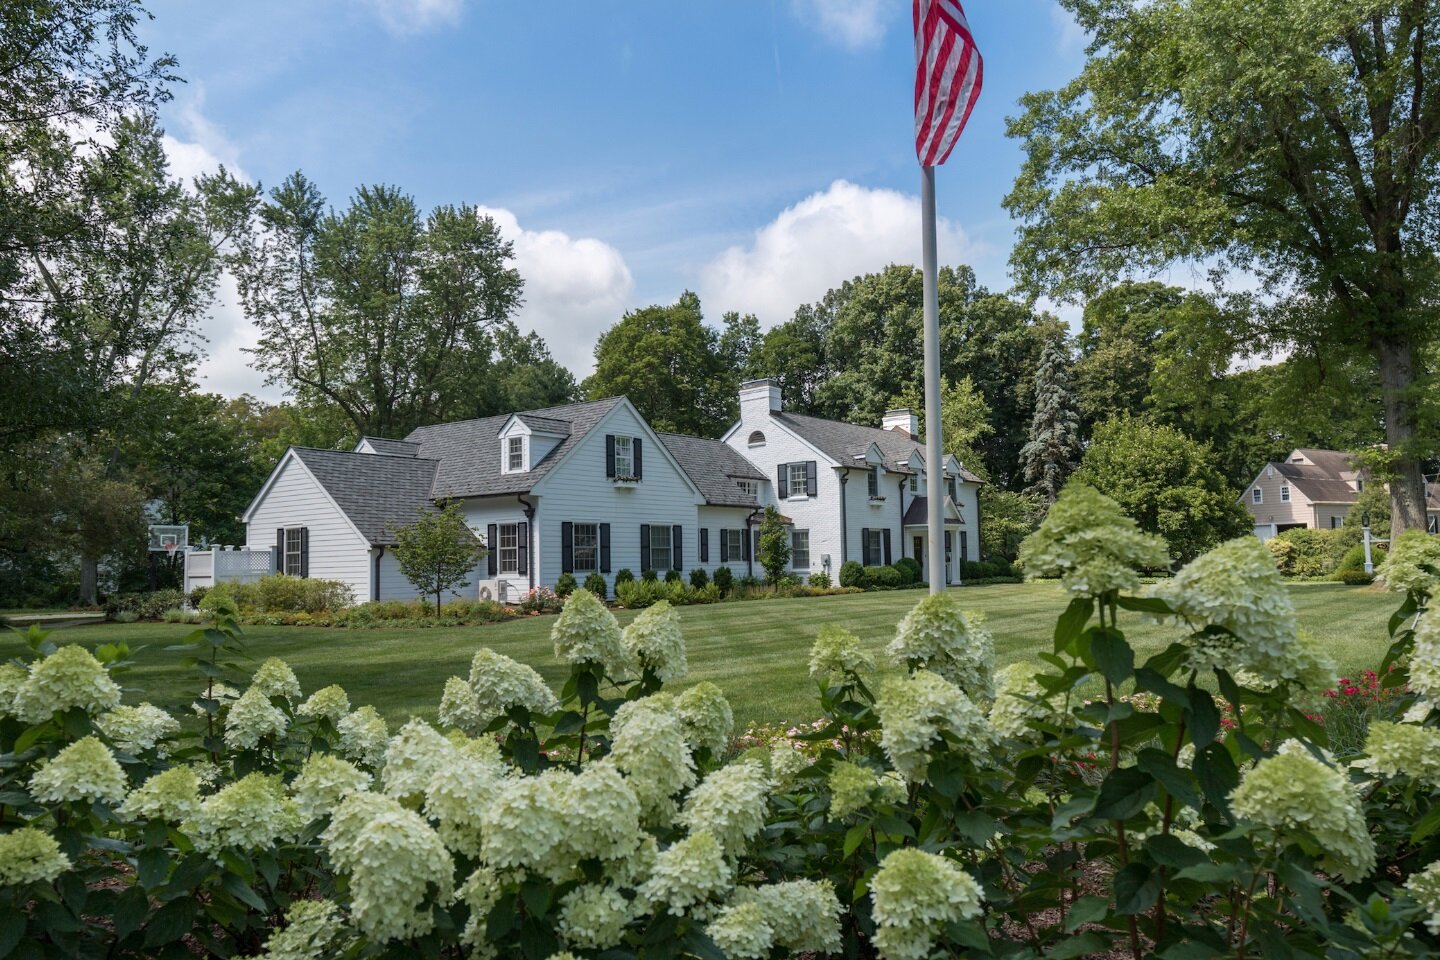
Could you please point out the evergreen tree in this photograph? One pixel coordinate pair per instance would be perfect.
(1054, 445)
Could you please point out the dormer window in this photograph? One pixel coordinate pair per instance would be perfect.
(914, 483)
(1359, 484)
(757, 439)
(514, 454)
(873, 482)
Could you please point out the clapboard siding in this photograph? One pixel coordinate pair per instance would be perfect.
(394, 585)
(295, 499)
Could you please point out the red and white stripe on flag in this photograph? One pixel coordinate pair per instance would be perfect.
(948, 76)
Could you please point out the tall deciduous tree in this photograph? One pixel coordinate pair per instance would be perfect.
(1054, 444)
(964, 420)
(1301, 144)
(385, 313)
(438, 551)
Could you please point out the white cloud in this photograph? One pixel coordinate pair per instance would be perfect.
(226, 369)
(820, 242)
(575, 287)
(1070, 38)
(853, 24)
(417, 16)
(196, 145)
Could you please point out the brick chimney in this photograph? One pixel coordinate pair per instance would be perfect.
(902, 421)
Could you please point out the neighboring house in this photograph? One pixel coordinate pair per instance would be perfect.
(1312, 488)
(853, 492)
(591, 488)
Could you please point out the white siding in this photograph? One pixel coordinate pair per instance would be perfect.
(577, 490)
(716, 519)
(295, 499)
(394, 586)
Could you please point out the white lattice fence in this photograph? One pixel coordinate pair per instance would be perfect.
(205, 568)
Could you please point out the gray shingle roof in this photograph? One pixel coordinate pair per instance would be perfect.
(378, 492)
(469, 451)
(1317, 484)
(713, 467)
(544, 424)
(917, 514)
(395, 448)
(843, 442)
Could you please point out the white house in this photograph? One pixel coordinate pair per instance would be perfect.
(591, 488)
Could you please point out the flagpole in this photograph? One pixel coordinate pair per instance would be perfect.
(934, 462)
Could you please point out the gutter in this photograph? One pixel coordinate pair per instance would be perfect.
(530, 511)
(844, 524)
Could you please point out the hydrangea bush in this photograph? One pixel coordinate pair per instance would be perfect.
(1086, 803)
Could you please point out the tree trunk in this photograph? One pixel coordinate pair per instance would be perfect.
(1407, 480)
(89, 580)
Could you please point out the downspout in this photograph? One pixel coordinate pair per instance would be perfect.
(901, 545)
(375, 593)
(749, 545)
(530, 511)
(844, 524)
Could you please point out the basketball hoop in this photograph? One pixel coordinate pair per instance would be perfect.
(170, 548)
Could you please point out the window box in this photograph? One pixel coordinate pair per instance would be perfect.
(626, 482)
(877, 501)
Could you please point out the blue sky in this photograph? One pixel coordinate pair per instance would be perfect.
(757, 151)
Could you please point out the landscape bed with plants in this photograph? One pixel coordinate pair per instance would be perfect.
(947, 808)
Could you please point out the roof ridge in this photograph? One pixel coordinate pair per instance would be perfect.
(357, 453)
(537, 411)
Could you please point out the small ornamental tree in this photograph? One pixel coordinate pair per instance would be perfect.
(774, 553)
(438, 551)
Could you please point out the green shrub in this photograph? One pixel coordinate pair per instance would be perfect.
(197, 594)
(884, 578)
(541, 600)
(910, 571)
(595, 583)
(638, 594)
(852, 574)
(281, 593)
(624, 576)
(673, 576)
(125, 616)
(145, 606)
(1306, 553)
(821, 579)
(649, 576)
(699, 578)
(177, 615)
(724, 580)
(565, 585)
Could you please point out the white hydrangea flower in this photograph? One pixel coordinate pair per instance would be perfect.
(706, 716)
(323, 782)
(480, 892)
(654, 641)
(586, 632)
(742, 931)
(70, 677)
(328, 703)
(253, 718)
(786, 762)
(914, 895)
(1403, 569)
(501, 683)
(223, 695)
(649, 748)
(1293, 791)
(414, 755)
(1425, 657)
(276, 679)
(250, 814)
(851, 789)
(604, 813)
(458, 792)
(1087, 541)
(915, 711)
(137, 729)
(460, 708)
(30, 855)
(1423, 887)
(311, 927)
(394, 859)
(364, 736)
(86, 771)
(803, 914)
(1402, 748)
(594, 917)
(12, 678)
(526, 826)
(172, 796)
(690, 872)
(938, 636)
(1015, 706)
(730, 803)
(836, 653)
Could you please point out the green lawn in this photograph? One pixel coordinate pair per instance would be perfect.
(755, 651)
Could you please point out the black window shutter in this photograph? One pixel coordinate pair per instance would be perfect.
(885, 539)
(964, 547)
(280, 550)
(782, 481)
(677, 533)
(610, 455)
(724, 545)
(604, 548)
(567, 547)
(492, 549)
(745, 537)
(865, 547)
(810, 478)
(304, 551)
(644, 547)
(755, 552)
(704, 544)
(635, 455)
(522, 547)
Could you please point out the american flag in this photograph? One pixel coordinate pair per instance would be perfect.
(948, 76)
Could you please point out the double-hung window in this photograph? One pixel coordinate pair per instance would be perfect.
(660, 546)
(800, 549)
(734, 544)
(1257, 495)
(1284, 494)
(587, 547)
(624, 457)
(515, 454)
(914, 483)
(294, 548)
(797, 479)
(748, 487)
(873, 482)
(875, 546)
(509, 548)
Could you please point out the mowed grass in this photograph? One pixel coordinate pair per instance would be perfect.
(757, 652)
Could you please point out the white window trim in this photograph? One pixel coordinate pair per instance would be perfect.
(751, 487)
(629, 455)
(507, 453)
(751, 440)
(797, 491)
(298, 552)
(669, 547)
(877, 547)
(513, 567)
(795, 564)
(734, 549)
(1284, 494)
(575, 526)
(1257, 496)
